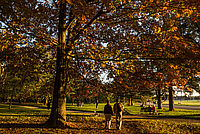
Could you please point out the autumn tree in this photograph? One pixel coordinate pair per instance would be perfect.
(93, 36)
(25, 40)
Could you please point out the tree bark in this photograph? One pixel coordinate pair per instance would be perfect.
(131, 101)
(58, 111)
(159, 98)
(10, 103)
(171, 99)
(46, 101)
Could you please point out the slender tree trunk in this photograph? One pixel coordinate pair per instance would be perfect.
(0, 69)
(46, 100)
(130, 101)
(124, 99)
(159, 98)
(10, 103)
(171, 99)
(58, 111)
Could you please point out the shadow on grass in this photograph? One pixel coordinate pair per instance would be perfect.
(80, 115)
(27, 125)
(27, 115)
(22, 125)
(83, 111)
(31, 125)
(193, 116)
(94, 129)
(78, 118)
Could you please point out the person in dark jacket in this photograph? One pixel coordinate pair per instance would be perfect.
(108, 112)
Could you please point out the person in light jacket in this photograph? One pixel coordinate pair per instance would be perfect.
(118, 109)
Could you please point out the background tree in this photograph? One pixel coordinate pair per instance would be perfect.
(194, 83)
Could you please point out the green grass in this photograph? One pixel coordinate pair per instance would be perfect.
(87, 107)
(182, 113)
(195, 103)
(92, 108)
(17, 110)
(13, 121)
(135, 110)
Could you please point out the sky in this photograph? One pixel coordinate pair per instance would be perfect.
(178, 92)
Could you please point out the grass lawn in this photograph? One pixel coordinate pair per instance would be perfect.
(195, 103)
(26, 120)
(16, 110)
(135, 110)
(87, 107)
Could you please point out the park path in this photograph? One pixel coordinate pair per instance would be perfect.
(184, 107)
(72, 111)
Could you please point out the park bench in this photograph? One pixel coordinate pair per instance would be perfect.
(148, 109)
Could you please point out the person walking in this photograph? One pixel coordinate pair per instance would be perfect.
(118, 109)
(154, 109)
(108, 112)
(97, 103)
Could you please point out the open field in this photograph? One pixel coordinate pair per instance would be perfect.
(135, 110)
(184, 102)
(183, 113)
(26, 120)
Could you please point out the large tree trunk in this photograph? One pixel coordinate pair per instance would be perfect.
(159, 98)
(171, 99)
(58, 111)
